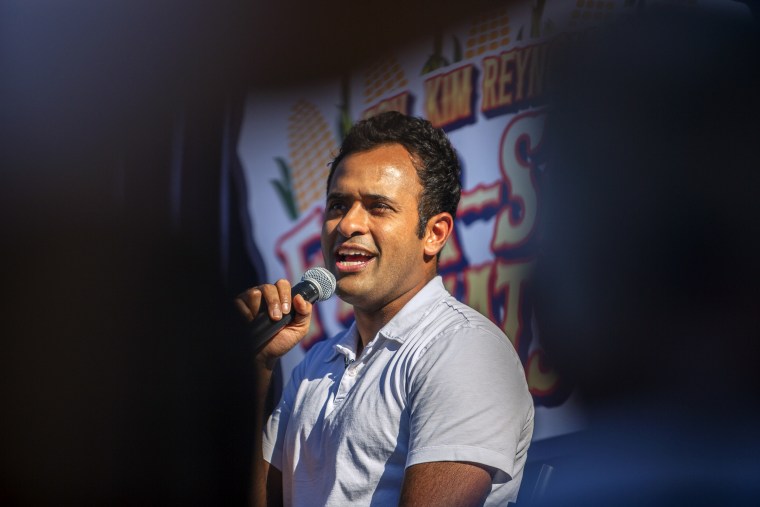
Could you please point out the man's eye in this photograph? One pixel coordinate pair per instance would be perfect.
(380, 207)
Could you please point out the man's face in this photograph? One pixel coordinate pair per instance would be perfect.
(369, 235)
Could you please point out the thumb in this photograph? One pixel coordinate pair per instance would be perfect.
(302, 311)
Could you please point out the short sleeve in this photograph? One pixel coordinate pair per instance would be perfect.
(277, 424)
(469, 402)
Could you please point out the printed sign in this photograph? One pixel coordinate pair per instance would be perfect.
(484, 83)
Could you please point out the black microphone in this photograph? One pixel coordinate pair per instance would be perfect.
(317, 284)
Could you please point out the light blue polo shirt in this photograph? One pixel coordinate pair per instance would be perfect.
(439, 382)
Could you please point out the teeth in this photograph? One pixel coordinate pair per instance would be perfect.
(353, 263)
(353, 252)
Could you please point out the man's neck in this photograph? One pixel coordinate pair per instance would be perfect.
(370, 321)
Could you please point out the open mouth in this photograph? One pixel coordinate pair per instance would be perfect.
(348, 259)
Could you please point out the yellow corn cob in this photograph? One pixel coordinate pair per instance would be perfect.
(312, 147)
(488, 32)
(382, 77)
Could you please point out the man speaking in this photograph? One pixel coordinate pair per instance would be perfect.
(422, 401)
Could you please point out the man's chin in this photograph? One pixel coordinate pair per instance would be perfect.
(350, 291)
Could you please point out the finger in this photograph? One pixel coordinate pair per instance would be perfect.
(283, 289)
(271, 296)
(302, 308)
(248, 302)
(243, 309)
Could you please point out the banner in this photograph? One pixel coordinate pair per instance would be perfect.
(484, 83)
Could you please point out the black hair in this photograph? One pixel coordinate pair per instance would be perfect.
(433, 156)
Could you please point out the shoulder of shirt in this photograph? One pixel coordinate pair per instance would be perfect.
(449, 318)
(464, 316)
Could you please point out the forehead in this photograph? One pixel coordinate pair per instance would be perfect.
(379, 170)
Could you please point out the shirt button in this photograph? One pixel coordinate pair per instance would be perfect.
(351, 372)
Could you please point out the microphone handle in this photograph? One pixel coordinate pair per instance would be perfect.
(263, 329)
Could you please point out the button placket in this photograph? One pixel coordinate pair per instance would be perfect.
(352, 371)
(347, 381)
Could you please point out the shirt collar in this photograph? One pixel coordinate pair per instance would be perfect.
(413, 312)
(345, 344)
(400, 325)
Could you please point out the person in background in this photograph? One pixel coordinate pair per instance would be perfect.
(647, 284)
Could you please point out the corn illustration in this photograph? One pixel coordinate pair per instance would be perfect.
(488, 32)
(437, 60)
(383, 76)
(312, 145)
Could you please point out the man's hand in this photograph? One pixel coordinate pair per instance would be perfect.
(277, 299)
(266, 484)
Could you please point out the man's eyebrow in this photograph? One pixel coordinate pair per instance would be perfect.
(335, 195)
(371, 197)
(378, 197)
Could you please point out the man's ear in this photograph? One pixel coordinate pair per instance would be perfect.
(438, 230)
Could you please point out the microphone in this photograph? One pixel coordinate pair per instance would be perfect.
(317, 284)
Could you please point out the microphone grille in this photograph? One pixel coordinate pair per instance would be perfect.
(323, 280)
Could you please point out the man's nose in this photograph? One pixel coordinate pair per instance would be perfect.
(354, 222)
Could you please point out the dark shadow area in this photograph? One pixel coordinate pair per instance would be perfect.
(125, 377)
(647, 282)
